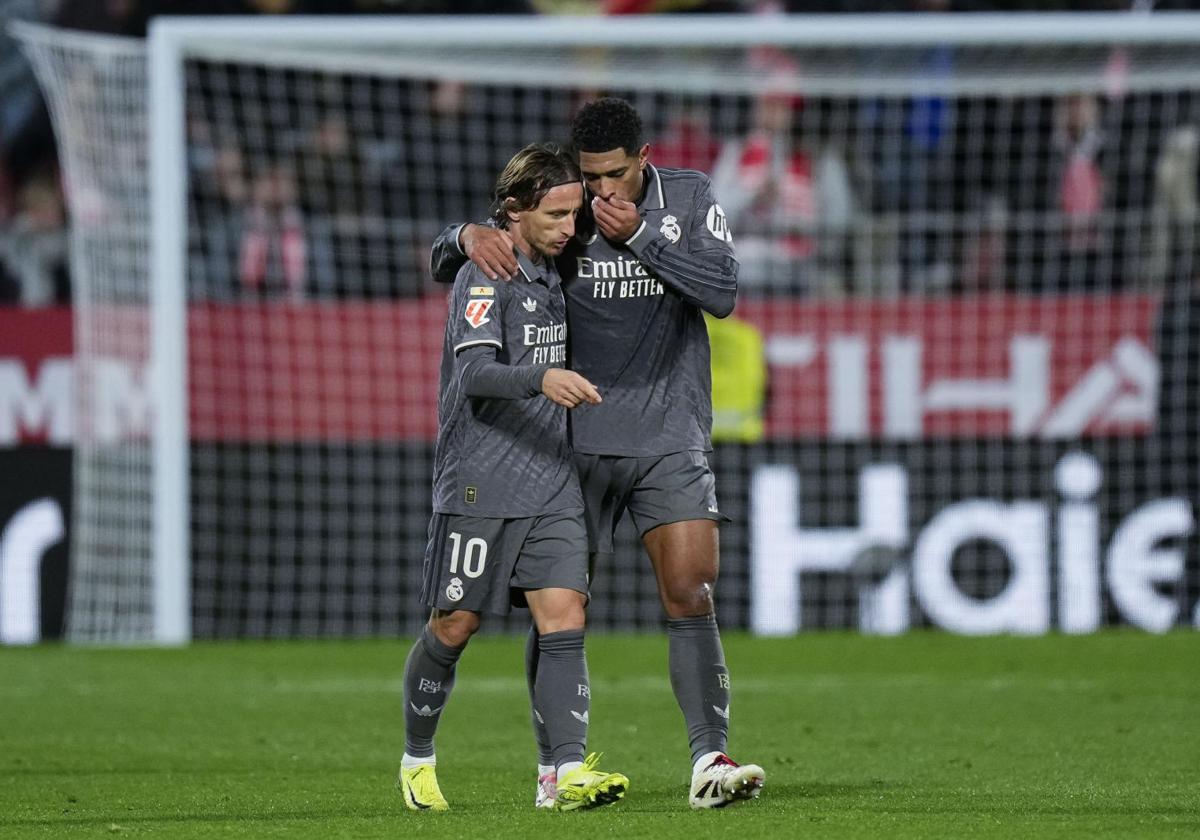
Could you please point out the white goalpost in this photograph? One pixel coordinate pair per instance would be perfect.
(967, 244)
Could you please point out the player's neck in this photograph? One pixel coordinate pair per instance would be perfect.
(523, 245)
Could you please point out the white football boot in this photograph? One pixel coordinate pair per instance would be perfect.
(724, 782)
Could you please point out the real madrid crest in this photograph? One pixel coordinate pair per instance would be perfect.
(454, 591)
(670, 228)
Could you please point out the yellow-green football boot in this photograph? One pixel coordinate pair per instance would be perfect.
(420, 789)
(587, 787)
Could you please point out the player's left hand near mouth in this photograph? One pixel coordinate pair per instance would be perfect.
(617, 218)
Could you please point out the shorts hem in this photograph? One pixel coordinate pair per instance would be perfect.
(642, 453)
(712, 517)
(520, 590)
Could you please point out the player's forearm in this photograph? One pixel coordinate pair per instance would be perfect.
(485, 377)
(707, 279)
(446, 257)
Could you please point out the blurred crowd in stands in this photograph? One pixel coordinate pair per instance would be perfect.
(827, 196)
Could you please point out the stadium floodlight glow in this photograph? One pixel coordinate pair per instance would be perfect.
(960, 282)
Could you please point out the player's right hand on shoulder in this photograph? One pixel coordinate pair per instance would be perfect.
(491, 249)
(568, 388)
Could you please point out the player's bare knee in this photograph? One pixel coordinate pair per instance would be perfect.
(685, 599)
(560, 624)
(566, 611)
(575, 616)
(454, 628)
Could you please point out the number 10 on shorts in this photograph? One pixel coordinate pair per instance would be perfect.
(474, 557)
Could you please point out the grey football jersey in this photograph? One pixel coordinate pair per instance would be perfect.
(636, 325)
(496, 457)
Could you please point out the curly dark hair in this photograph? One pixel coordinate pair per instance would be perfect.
(606, 124)
(532, 172)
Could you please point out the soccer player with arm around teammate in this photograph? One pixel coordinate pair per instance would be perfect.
(655, 254)
(507, 527)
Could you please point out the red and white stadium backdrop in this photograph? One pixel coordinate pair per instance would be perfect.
(979, 367)
(1001, 366)
(1016, 367)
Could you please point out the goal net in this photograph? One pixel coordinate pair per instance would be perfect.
(95, 89)
(958, 391)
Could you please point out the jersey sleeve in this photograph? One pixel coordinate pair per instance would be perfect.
(706, 274)
(476, 311)
(446, 257)
(484, 376)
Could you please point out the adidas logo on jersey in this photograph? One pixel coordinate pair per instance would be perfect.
(424, 711)
(582, 718)
(530, 304)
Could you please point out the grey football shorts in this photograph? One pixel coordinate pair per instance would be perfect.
(656, 491)
(486, 565)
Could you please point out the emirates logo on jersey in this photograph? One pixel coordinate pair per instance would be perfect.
(476, 312)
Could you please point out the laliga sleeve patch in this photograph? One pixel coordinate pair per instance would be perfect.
(476, 312)
(717, 225)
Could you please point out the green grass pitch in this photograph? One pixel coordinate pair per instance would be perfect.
(925, 735)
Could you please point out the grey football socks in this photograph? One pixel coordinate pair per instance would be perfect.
(428, 679)
(561, 694)
(545, 753)
(700, 681)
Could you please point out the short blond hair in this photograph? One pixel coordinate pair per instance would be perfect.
(528, 176)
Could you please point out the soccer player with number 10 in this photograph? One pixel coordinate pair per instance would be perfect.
(508, 521)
